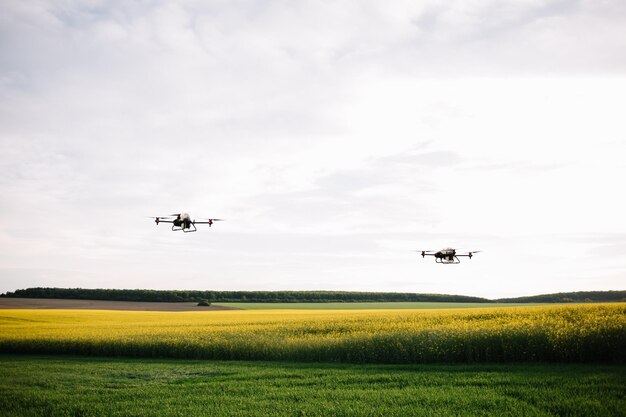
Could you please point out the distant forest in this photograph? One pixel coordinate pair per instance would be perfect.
(565, 297)
(176, 296)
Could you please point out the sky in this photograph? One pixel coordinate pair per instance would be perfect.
(336, 139)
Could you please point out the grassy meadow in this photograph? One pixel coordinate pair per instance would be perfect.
(84, 386)
(572, 333)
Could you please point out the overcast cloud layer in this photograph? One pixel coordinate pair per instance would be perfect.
(335, 137)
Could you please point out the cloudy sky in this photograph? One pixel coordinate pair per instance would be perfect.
(335, 138)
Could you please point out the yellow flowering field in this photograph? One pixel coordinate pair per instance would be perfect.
(572, 333)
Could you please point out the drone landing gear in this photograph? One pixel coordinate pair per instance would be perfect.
(448, 261)
(184, 229)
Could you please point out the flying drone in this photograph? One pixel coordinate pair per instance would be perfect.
(447, 255)
(182, 221)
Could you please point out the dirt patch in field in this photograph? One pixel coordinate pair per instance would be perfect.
(58, 304)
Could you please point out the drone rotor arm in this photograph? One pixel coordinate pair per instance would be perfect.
(469, 254)
(209, 222)
(160, 219)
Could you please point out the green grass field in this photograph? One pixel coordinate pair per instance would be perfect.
(366, 306)
(79, 386)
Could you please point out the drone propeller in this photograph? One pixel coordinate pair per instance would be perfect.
(157, 219)
(210, 221)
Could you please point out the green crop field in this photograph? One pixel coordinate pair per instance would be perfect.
(81, 386)
(367, 306)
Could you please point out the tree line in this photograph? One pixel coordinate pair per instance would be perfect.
(236, 296)
(569, 297)
(176, 296)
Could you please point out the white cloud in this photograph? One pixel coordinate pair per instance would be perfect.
(335, 137)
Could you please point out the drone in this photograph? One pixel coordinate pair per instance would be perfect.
(182, 221)
(447, 255)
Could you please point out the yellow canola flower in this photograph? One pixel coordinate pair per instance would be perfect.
(594, 332)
